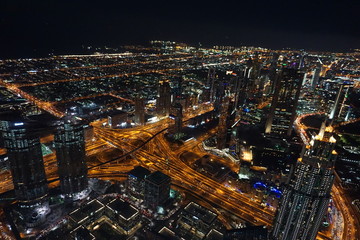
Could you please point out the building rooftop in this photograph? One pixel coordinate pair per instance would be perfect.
(158, 178)
(11, 116)
(200, 212)
(82, 213)
(82, 233)
(124, 209)
(214, 235)
(115, 112)
(139, 172)
(166, 232)
(248, 233)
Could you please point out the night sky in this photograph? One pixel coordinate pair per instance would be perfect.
(32, 28)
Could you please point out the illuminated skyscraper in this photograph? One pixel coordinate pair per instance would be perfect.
(157, 189)
(273, 68)
(223, 128)
(210, 84)
(306, 198)
(340, 99)
(25, 156)
(70, 153)
(178, 117)
(283, 106)
(163, 102)
(239, 88)
(315, 77)
(139, 111)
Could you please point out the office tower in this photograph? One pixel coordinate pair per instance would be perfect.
(304, 79)
(157, 189)
(254, 67)
(261, 85)
(251, 75)
(223, 128)
(302, 61)
(340, 99)
(136, 181)
(306, 198)
(177, 90)
(238, 83)
(283, 106)
(315, 77)
(205, 95)
(211, 83)
(211, 75)
(25, 156)
(139, 111)
(178, 117)
(70, 153)
(273, 68)
(219, 95)
(163, 102)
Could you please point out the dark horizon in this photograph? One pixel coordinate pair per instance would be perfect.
(37, 28)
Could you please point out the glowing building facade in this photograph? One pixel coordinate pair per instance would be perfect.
(24, 152)
(306, 198)
(70, 153)
(163, 102)
(283, 106)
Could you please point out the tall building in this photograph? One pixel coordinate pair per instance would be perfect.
(163, 102)
(306, 198)
(315, 77)
(211, 82)
(24, 152)
(284, 102)
(223, 128)
(239, 88)
(70, 153)
(205, 96)
(273, 69)
(136, 181)
(177, 115)
(339, 102)
(139, 111)
(157, 189)
(219, 95)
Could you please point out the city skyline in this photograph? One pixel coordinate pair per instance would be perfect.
(178, 138)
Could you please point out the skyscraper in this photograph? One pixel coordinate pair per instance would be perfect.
(283, 106)
(211, 82)
(223, 128)
(163, 102)
(340, 99)
(25, 156)
(178, 117)
(315, 77)
(139, 111)
(70, 153)
(306, 198)
(157, 189)
(273, 68)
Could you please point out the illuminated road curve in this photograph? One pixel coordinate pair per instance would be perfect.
(194, 181)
